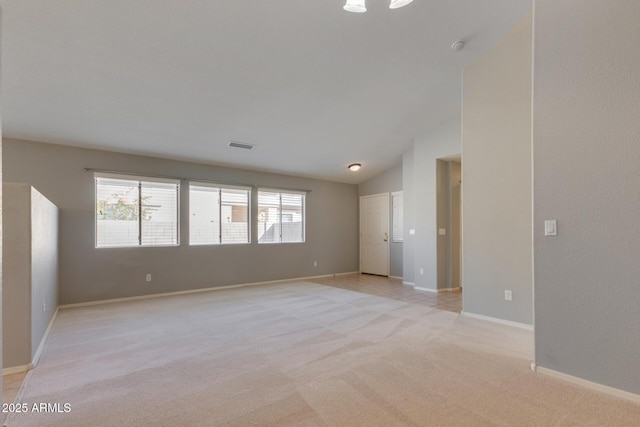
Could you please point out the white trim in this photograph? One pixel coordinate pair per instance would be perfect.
(283, 190)
(409, 283)
(435, 291)
(217, 186)
(587, 384)
(36, 357)
(496, 320)
(139, 178)
(17, 369)
(394, 196)
(195, 291)
(395, 277)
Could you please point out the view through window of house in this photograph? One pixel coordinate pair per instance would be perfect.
(133, 211)
(218, 215)
(281, 217)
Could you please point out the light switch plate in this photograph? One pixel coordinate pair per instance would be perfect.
(442, 231)
(412, 232)
(550, 227)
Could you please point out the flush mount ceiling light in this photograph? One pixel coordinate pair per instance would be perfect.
(354, 167)
(358, 6)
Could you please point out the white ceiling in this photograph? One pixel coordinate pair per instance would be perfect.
(315, 88)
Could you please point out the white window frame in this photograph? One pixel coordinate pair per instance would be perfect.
(221, 187)
(140, 179)
(304, 213)
(397, 209)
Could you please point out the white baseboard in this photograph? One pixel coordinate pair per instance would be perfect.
(395, 277)
(17, 369)
(496, 320)
(195, 291)
(588, 384)
(36, 356)
(409, 284)
(435, 291)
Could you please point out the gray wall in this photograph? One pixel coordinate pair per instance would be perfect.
(89, 274)
(16, 260)
(419, 182)
(496, 153)
(30, 258)
(1, 296)
(387, 182)
(44, 266)
(586, 156)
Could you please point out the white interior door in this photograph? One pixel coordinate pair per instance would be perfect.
(374, 234)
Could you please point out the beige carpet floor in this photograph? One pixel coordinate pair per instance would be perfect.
(297, 354)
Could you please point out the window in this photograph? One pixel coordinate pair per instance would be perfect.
(133, 211)
(218, 215)
(280, 216)
(396, 206)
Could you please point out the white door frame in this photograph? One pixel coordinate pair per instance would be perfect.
(387, 196)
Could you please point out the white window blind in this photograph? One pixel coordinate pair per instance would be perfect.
(218, 215)
(133, 211)
(396, 207)
(281, 217)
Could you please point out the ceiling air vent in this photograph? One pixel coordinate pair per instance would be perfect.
(242, 145)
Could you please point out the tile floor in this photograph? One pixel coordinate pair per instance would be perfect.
(394, 289)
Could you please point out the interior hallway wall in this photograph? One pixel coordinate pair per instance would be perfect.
(420, 195)
(496, 151)
(586, 156)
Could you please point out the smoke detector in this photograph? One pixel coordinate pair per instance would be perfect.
(457, 45)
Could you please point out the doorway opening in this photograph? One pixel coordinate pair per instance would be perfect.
(449, 222)
(374, 234)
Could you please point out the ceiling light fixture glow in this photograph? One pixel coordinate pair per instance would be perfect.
(354, 167)
(398, 3)
(358, 6)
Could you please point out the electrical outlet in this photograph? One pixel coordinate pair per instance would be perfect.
(315, 263)
(44, 306)
(148, 277)
(508, 296)
(422, 271)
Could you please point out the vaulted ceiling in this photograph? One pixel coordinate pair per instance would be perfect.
(315, 88)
